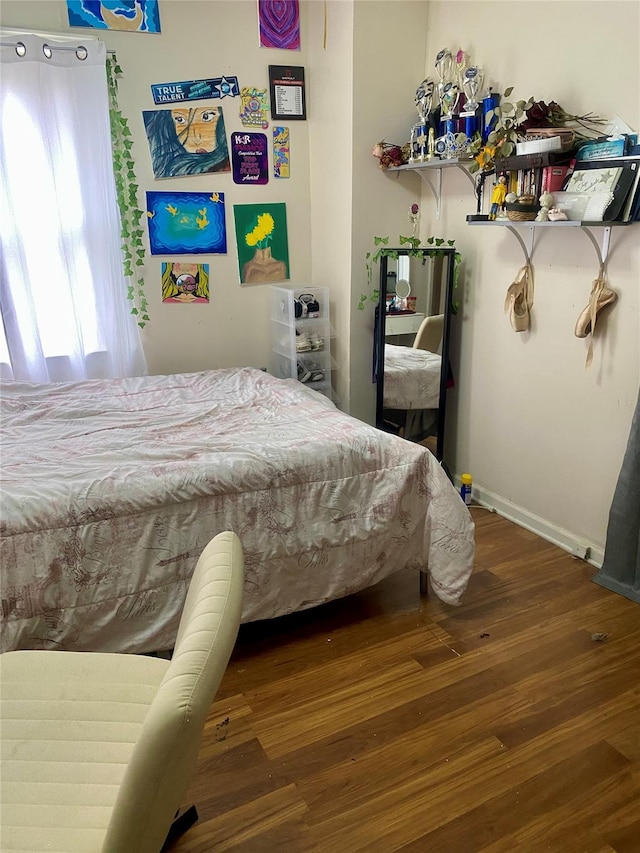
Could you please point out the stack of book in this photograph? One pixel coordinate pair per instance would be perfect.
(592, 189)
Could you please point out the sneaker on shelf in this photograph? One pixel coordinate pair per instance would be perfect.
(317, 377)
(317, 343)
(304, 375)
(303, 342)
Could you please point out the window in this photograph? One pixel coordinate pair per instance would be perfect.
(63, 293)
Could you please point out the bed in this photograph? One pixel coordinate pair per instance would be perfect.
(411, 378)
(111, 489)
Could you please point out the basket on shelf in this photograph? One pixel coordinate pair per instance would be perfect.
(523, 209)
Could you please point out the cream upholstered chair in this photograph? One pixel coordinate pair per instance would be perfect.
(98, 749)
(429, 334)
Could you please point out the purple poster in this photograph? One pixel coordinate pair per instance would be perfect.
(249, 158)
(279, 24)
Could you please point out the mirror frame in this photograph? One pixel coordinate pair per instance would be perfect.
(448, 253)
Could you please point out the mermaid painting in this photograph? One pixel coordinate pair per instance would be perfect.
(186, 141)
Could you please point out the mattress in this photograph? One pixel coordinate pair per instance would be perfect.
(111, 489)
(411, 378)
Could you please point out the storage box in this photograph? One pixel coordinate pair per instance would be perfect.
(537, 146)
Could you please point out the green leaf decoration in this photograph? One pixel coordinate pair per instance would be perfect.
(415, 250)
(127, 192)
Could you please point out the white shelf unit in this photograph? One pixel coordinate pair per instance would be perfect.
(435, 167)
(286, 328)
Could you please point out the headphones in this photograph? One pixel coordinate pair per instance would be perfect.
(306, 305)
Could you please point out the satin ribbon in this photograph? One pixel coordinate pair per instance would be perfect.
(522, 285)
(595, 295)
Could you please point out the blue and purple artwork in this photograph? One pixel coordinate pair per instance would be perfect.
(279, 24)
(186, 223)
(140, 16)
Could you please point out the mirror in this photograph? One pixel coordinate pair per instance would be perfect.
(411, 349)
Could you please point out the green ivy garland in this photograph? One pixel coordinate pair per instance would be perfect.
(432, 250)
(127, 189)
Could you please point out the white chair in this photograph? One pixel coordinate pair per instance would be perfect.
(98, 749)
(429, 334)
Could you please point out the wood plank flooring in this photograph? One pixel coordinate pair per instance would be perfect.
(389, 721)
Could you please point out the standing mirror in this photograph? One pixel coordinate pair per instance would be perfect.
(411, 350)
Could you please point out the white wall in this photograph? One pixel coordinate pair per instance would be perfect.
(364, 80)
(331, 165)
(531, 424)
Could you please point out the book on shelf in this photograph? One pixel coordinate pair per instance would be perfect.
(553, 178)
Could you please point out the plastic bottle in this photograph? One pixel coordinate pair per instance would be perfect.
(465, 488)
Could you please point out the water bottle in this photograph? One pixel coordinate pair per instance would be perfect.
(465, 488)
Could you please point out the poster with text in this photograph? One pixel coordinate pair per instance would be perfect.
(287, 92)
(262, 242)
(281, 152)
(249, 158)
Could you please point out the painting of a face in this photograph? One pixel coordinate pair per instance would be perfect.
(196, 128)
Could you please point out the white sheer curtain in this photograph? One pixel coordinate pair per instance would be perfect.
(65, 315)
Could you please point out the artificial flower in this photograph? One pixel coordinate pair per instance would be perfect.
(512, 121)
(388, 154)
(552, 114)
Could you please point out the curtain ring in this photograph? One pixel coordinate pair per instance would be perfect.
(20, 48)
(82, 52)
(47, 51)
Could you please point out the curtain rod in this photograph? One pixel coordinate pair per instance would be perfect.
(53, 47)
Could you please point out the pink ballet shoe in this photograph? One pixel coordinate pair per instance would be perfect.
(519, 301)
(600, 297)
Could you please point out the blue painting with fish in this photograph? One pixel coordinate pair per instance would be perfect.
(186, 223)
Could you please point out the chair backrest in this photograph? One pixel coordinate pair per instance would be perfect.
(166, 752)
(429, 335)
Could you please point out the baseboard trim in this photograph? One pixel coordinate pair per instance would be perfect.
(541, 527)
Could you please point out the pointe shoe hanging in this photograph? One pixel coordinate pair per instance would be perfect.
(519, 300)
(599, 298)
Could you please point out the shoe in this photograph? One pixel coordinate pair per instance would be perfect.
(317, 343)
(317, 377)
(304, 375)
(303, 343)
(519, 300)
(599, 298)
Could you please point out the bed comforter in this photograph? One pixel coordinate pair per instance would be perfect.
(110, 491)
(411, 378)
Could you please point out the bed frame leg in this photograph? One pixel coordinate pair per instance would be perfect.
(424, 583)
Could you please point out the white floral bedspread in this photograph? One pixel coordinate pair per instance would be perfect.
(411, 378)
(110, 491)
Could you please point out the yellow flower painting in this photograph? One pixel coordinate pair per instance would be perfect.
(262, 242)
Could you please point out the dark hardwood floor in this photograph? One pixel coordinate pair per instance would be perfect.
(387, 721)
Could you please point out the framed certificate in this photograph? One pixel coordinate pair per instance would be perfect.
(286, 83)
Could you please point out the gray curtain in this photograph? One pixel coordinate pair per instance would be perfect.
(620, 570)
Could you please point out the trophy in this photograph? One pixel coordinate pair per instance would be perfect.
(473, 80)
(444, 67)
(450, 99)
(424, 104)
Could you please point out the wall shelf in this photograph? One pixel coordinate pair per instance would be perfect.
(435, 166)
(527, 242)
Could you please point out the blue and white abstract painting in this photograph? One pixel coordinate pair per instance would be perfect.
(140, 16)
